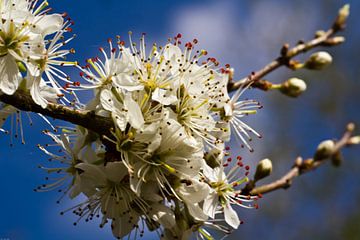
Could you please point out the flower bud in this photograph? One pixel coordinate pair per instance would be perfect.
(263, 169)
(324, 150)
(293, 87)
(354, 140)
(343, 14)
(318, 60)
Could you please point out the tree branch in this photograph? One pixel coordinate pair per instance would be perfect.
(88, 119)
(301, 167)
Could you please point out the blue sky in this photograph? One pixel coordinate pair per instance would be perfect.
(246, 34)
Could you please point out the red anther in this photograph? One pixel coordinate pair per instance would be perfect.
(247, 173)
(260, 195)
(240, 164)
(222, 70)
(256, 206)
(241, 222)
(189, 45)
(77, 84)
(144, 33)
(235, 184)
(195, 41)
(239, 201)
(229, 159)
(72, 23)
(65, 14)
(178, 35)
(68, 19)
(109, 40)
(227, 65)
(238, 157)
(113, 50)
(68, 29)
(247, 167)
(179, 42)
(225, 165)
(67, 85)
(101, 49)
(227, 148)
(87, 66)
(122, 43)
(94, 59)
(81, 74)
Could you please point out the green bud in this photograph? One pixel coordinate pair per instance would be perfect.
(324, 150)
(318, 60)
(293, 87)
(263, 169)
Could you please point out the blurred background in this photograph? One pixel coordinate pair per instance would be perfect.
(246, 34)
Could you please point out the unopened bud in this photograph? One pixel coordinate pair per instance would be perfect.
(319, 33)
(324, 150)
(263, 169)
(343, 14)
(354, 140)
(293, 87)
(334, 41)
(318, 60)
(336, 159)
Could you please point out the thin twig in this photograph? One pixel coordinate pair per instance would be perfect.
(325, 39)
(301, 167)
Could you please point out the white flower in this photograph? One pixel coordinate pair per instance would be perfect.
(68, 157)
(224, 194)
(234, 111)
(174, 154)
(116, 70)
(126, 111)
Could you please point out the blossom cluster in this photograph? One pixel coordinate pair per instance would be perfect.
(32, 51)
(165, 164)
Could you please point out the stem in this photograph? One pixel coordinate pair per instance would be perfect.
(301, 167)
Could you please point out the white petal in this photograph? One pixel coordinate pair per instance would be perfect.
(171, 51)
(136, 118)
(231, 216)
(122, 226)
(163, 96)
(9, 72)
(115, 171)
(106, 99)
(162, 215)
(36, 93)
(48, 24)
(196, 212)
(210, 204)
(194, 193)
